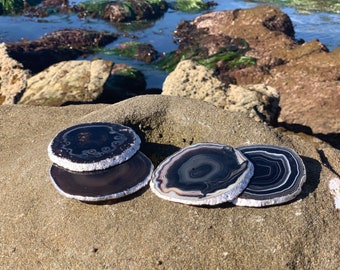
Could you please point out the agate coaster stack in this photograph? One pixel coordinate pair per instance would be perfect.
(210, 174)
(98, 161)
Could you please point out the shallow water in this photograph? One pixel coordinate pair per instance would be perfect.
(314, 25)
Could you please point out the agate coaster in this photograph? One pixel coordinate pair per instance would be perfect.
(202, 174)
(93, 146)
(112, 183)
(279, 174)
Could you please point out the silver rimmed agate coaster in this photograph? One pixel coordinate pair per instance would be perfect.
(202, 174)
(93, 146)
(279, 174)
(101, 185)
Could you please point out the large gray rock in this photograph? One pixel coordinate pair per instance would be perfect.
(13, 78)
(193, 80)
(41, 229)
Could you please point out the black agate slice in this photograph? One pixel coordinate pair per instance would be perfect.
(202, 174)
(279, 174)
(112, 183)
(93, 146)
(98, 161)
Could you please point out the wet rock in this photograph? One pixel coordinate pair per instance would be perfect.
(61, 45)
(208, 50)
(139, 51)
(192, 80)
(131, 10)
(13, 78)
(305, 74)
(78, 82)
(143, 231)
(124, 82)
(191, 5)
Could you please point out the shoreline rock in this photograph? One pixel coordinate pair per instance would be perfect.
(192, 80)
(57, 46)
(305, 73)
(13, 78)
(83, 81)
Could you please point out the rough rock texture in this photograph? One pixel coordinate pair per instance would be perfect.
(259, 101)
(131, 10)
(58, 46)
(13, 77)
(81, 81)
(69, 81)
(307, 75)
(192, 80)
(41, 229)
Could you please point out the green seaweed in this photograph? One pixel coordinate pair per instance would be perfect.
(231, 58)
(8, 7)
(127, 49)
(242, 61)
(190, 5)
(130, 72)
(169, 62)
(95, 6)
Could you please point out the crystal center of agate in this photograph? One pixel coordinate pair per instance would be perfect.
(87, 142)
(204, 173)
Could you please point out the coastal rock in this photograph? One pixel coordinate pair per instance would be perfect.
(61, 45)
(134, 10)
(305, 74)
(192, 80)
(259, 101)
(41, 227)
(82, 81)
(140, 51)
(13, 78)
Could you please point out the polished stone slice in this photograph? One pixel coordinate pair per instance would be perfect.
(93, 146)
(204, 173)
(279, 174)
(115, 182)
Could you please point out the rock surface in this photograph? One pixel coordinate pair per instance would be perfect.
(82, 81)
(13, 78)
(131, 10)
(58, 46)
(192, 80)
(40, 228)
(303, 74)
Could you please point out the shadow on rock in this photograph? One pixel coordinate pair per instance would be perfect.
(313, 171)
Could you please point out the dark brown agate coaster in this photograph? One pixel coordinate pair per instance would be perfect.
(279, 174)
(93, 146)
(101, 185)
(204, 173)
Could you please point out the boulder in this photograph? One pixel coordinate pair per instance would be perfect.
(306, 75)
(58, 46)
(83, 81)
(192, 80)
(13, 78)
(41, 228)
(134, 10)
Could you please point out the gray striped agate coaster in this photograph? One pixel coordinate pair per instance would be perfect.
(101, 185)
(93, 146)
(202, 174)
(279, 174)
